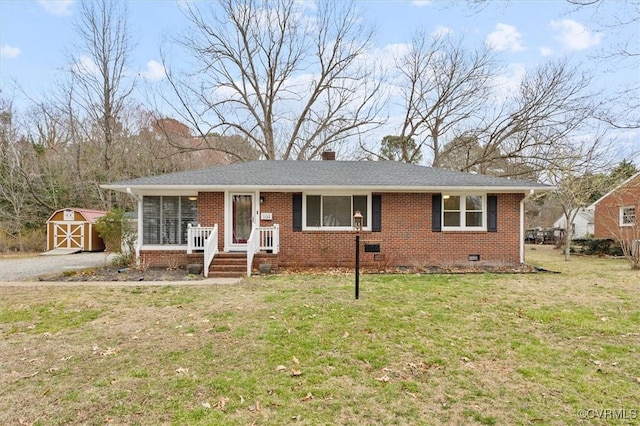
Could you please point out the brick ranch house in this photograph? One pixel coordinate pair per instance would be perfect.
(615, 213)
(301, 214)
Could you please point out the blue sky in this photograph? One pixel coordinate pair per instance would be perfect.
(36, 35)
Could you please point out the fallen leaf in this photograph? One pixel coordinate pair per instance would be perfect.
(108, 351)
(295, 360)
(182, 370)
(308, 397)
(222, 403)
(345, 335)
(384, 379)
(295, 372)
(281, 368)
(464, 359)
(206, 405)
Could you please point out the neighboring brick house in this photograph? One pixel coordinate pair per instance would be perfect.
(303, 213)
(616, 213)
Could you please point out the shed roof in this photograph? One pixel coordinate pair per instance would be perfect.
(89, 215)
(308, 175)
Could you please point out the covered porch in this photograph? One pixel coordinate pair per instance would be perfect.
(204, 239)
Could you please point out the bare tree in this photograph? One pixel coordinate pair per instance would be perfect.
(12, 191)
(575, 170)
(99, 85)
(551, 105)
(621, 19)
(442, 86)
(290, 82)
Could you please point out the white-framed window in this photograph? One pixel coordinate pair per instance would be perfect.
(464, 212)
(334, 211)
(627, 216)
(165, 219)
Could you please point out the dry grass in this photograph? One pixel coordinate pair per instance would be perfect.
(436, 349)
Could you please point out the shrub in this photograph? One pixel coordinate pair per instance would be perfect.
(597, 246)
(118, 235)
(29, 240)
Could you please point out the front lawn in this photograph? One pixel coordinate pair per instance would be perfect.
(431, 349)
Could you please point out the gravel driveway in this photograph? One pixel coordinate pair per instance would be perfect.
(29, 268)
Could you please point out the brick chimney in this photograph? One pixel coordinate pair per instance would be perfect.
(328, 155)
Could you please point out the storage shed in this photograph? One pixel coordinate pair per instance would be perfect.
(74, 229)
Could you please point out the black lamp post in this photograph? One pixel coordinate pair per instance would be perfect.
(357, 224)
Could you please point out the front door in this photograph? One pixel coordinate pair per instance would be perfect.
(241, 212)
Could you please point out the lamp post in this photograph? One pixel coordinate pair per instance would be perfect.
(357, 224)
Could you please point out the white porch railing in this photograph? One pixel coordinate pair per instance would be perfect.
(196, 236)
(253, 246)
(210, 249)
(262, 238)
(269, 237)
(204, 238)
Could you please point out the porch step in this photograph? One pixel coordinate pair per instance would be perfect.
(228, 265)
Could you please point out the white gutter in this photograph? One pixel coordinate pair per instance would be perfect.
(194, 189)
(531, 192)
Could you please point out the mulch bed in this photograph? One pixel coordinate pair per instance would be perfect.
(112, 274)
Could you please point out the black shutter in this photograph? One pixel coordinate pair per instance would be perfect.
(436, 212)
(297, 212)
(492, 213)
(376, 213)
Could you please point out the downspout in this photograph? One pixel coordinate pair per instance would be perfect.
(528, 196)
(139, 236)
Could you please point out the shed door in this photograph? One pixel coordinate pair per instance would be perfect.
(68, 235)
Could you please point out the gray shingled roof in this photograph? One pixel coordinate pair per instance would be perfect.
(309, 174)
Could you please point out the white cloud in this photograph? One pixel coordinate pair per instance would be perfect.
(573, 35)
(57, 7)
(7, 51)
(421, 3)
(440, 31)
(546, 51)
(155, 71)
(508, 83)
(505, 37)
(85, 66)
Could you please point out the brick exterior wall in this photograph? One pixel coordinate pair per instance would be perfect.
(406, 238)
(606, 216)
(164, 258)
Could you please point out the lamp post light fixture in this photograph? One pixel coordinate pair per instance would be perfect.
(357, 220)
(357, 224)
